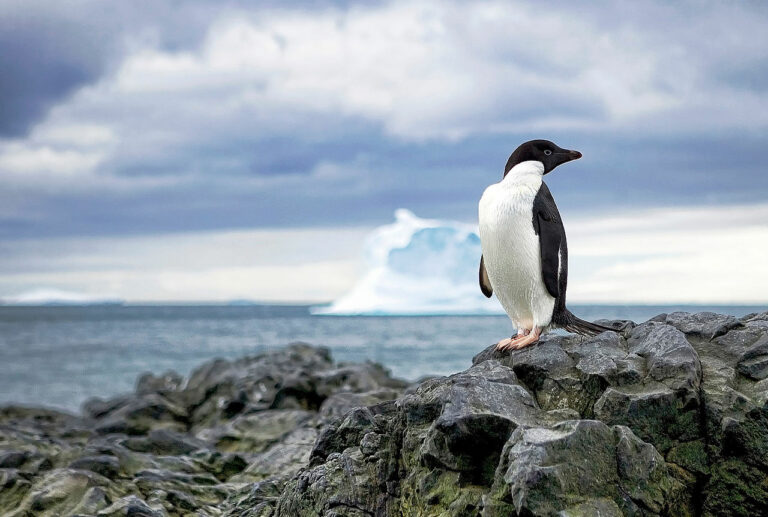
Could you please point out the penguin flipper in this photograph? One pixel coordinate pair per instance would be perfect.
(485, 282)
(550, 237)
(552, 244)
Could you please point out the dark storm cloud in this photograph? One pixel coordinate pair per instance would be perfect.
(44, 56)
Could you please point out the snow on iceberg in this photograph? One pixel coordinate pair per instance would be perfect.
(418, 266)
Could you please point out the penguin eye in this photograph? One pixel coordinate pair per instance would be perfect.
(547, 152)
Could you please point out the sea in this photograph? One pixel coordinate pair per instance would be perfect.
(59, 356)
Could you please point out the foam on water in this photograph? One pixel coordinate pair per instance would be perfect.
(418, 266)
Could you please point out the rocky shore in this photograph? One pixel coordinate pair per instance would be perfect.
(667, 417)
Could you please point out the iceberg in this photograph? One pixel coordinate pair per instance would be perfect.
(418, 267)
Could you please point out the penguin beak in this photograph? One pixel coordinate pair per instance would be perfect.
(572, 155)
(564, 156)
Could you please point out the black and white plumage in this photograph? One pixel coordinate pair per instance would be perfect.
(525, 251)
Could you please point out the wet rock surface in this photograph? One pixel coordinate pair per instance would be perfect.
(666, 417)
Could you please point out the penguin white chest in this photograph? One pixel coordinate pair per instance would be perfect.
(511, 250)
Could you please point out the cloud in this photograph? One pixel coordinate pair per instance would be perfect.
(284, 265)
(51, 50)
(687, 255)
(426, 70)
(47, 296)
(48, 51)
(431, 70)
(666, 256)
(22, 160)
(421, 70)
(210, 115)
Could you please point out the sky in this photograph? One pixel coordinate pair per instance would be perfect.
(216, 150)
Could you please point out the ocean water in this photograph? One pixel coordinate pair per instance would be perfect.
(60, 356)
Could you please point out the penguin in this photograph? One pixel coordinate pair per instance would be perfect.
(524, 250)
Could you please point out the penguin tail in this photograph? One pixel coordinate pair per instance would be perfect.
(577, 325)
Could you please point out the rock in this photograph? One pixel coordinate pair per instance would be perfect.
(164, 442)
(756, 321)
(340, 403)
(643, 474)
(580, 464)
(98, 408)
(753, 363)
(283, 459)
(601, 506)
(200, 492)
(706, 325)
(168, 382)
(13, 459)
(65, 492)
(42, 422)
(737, 489)
(348, 431)
(649, 421)
(255, 500)
(668, 417)
(545, 470)
(219, 390)
(178, 446)
(662, 405)
(356, 467)
(670, 358)
(355, 378)
(139, 416)
(130, 506)
(14, 486)
(484, 404)
(107, 466)
(221, 465)
(342, 483)
(255, 432)
(691, 456)
(549, 373)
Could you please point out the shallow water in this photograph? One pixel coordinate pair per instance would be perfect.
(60, 356)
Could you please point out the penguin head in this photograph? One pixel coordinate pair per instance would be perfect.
(544, 151)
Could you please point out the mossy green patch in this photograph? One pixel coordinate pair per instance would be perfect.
(736, 489)
(439, 492)
(692, 456)
(13, 488)
(749, 438)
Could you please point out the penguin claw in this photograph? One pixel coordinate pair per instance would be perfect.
(524, 338)
(509, 343)
(528, 340)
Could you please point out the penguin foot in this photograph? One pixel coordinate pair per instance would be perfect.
(511, 342)
(527, 340)
(506, 344)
